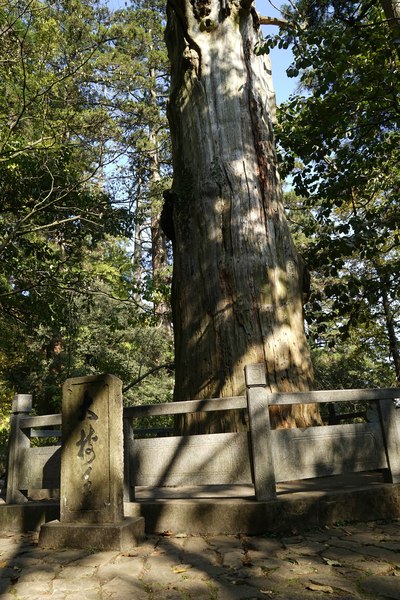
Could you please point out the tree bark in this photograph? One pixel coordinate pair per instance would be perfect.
(391, 330)
(394, 348)
(391, 9)
(158, 239)
(237, 290)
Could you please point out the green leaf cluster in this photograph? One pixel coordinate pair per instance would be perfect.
(82, 110)
(339, 140)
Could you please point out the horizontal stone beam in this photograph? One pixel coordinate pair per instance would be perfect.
(189, 406)
(40, 421)
(279, 399)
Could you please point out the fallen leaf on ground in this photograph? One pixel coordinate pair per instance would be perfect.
(181, 568)
(314, 587)
(331, 563)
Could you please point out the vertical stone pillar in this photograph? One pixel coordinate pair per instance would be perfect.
(92, 470)
(19, 441)
(390, 421)
(92, 450)
(260, 432)
(129, 461)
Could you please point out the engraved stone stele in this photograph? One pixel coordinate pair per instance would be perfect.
(91, 491)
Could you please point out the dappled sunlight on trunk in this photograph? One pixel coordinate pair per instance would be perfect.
(237, 289)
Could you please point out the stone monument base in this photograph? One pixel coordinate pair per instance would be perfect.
(123, 536)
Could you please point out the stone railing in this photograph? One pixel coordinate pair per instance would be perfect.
(264, 456)
(261, 457)
(31, 467)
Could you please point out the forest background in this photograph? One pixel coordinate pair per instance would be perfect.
(85, 269)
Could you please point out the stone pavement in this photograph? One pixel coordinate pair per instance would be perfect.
(349, 561)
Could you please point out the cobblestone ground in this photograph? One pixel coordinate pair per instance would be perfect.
(351, 561)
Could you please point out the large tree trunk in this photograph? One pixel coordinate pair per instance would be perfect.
(237, 290)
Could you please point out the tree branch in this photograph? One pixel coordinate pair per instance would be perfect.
(272, 21)
(139, 379)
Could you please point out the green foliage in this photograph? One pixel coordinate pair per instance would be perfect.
(77, 85)
(357, 363)
(5, 408)
(339, 140)
(145, 173)
(115, 334)
(99, 327)
(344, 313)
(347, 123)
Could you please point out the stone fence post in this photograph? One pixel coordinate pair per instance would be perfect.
(389, 411)
(260, 432)
(92, 470)
(19, 440)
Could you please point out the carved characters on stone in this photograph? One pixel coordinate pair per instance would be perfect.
(86, 442)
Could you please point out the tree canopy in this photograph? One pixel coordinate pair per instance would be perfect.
(73, 113)
(339, 138)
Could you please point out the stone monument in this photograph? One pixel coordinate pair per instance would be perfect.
(91, 491)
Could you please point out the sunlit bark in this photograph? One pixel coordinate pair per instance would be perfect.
(237, 289)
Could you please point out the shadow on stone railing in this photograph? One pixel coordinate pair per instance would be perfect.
(32, 467)
(264, 457)
(261, 457)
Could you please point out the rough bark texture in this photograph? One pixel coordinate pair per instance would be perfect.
(391, 9)
(237, 291)
(158, 243)
(393, 341)
(391, 331)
